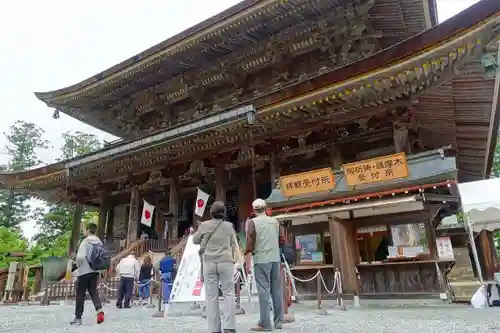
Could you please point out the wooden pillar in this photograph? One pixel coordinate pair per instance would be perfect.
(488, 262)
(273, 170)
(430, 232)
(110, 224)
(344, 251)
(174, 210)
(103, 214)
(133, 216)
(220, 184)
(401, 138)
(245, 198)
(159, 224)
(75, 230)
(38, 280)
(335, 157)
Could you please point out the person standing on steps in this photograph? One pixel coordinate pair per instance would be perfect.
(217, 240)
(263, 239)
(87, 277)
(128, 269)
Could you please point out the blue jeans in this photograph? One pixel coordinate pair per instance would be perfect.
(144, 288)
(166, 280)
(269, 283)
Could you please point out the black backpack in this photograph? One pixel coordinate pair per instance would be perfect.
(100, 258)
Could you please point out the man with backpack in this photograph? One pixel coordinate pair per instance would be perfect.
(264, 237)
(90, 259)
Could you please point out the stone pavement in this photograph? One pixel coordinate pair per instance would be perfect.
(430, 319)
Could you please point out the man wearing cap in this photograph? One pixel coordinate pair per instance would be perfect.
(263, 239)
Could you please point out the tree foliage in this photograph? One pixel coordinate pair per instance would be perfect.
(79, 144)
(56, 222)
(24, 139)
(495, 169)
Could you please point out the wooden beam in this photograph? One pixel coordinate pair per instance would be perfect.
(174, 209)
(273, 170)
(103, 213)
(335, 156)
(220, 183)
(109, 224)
(75, 230)
(133, 216)
(401, 139)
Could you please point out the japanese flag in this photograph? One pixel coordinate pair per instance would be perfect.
(147, 213)
(201, 203)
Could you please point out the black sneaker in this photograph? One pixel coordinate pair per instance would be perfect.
(76, 322)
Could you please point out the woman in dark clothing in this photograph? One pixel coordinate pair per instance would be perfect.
(145, 277)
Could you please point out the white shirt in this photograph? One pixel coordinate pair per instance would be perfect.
(129, 267)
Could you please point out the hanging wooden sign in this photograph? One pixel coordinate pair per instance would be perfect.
(376, 169)
(307, 182)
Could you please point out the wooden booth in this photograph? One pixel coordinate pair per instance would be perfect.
(375, 221)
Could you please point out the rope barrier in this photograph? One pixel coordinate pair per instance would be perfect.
(337, 284)
(307, 280)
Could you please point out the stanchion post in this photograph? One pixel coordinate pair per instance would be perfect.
(287, 317)
(285, 293)
(159, 313)
(319, 309)
(237, 290)
(318, 291)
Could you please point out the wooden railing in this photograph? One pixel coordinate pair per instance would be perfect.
(137, 245)
(63, 289)
(153, 245)
(178, 249)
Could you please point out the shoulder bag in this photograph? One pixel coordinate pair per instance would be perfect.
(203, 248)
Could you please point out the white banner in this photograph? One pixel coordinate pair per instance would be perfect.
(187, 286)
(147, 213)
(201, 203)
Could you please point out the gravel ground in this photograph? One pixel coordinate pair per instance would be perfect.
(439, 319)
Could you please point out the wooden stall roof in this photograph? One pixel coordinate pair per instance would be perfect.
(425, 168)
(248, 22)
(422, 62)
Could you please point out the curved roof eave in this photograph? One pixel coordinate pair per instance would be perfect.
(200, 29)
(28, 176)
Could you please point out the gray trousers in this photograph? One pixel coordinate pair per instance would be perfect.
(269, 283)
(216, 274)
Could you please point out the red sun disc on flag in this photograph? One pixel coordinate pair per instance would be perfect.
(200, 203)
(147, 214)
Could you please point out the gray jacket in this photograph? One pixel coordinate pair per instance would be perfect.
(84, 251)
(220, 246)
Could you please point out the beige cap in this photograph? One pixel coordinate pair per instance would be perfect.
(259, 204)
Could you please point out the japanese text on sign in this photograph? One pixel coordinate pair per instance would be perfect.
(376, 169)
(307, 182)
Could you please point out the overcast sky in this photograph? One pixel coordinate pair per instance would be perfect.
(50, 44)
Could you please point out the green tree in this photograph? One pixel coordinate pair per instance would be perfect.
(79, 144)
(56, 222)
(24, 139)
(10, 241)
(495, 169)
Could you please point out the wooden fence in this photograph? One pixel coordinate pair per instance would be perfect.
(63, 289)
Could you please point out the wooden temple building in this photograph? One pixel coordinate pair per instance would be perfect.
(355, 119)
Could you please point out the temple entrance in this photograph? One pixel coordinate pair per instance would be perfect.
(186, 215)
